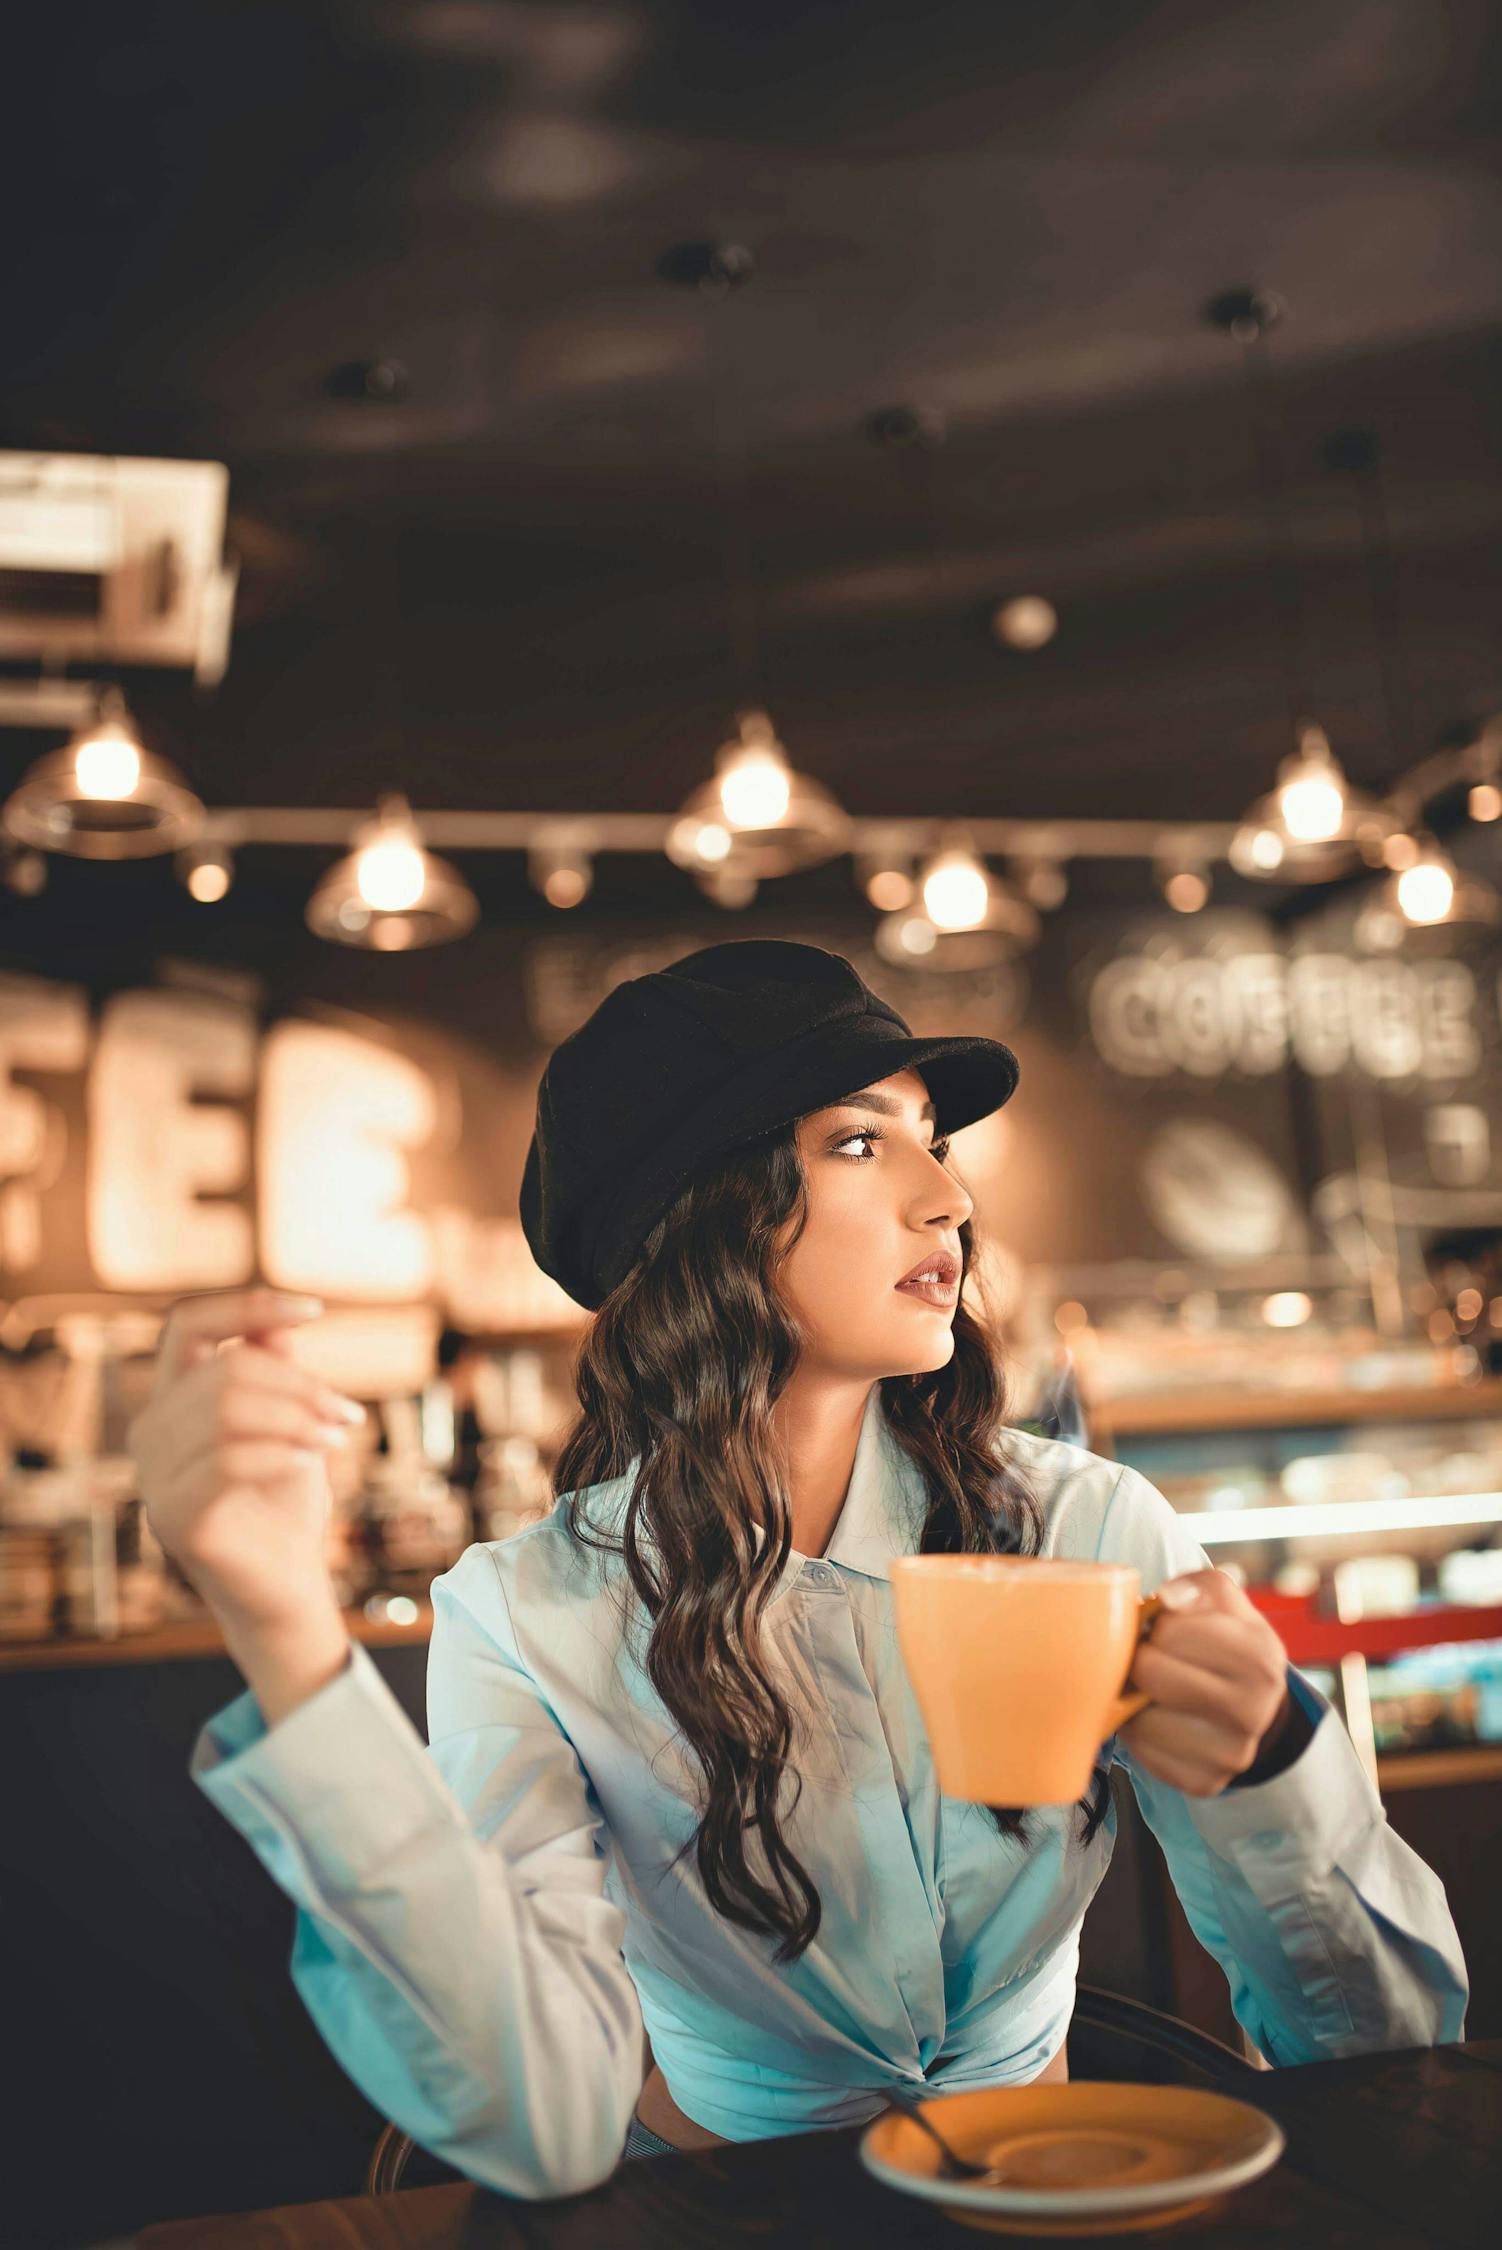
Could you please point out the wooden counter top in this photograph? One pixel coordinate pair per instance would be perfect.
(190, 1637)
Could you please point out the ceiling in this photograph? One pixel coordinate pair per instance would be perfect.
(510, 587)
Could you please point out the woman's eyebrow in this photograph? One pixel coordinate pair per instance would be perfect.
(885, 1104)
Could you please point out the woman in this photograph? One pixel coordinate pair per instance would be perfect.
(677, 1781)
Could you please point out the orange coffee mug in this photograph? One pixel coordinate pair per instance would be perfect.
(1021, 1667)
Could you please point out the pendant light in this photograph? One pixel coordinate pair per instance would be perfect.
(756, 816)
(964, 917)
(103, 795)
(1312, 825)
(390, 894)
(1426, 897)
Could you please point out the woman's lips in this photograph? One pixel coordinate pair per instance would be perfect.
(944, 1294)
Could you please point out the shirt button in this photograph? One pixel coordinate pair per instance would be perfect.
(820, 1574)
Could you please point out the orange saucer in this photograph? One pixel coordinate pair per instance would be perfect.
(1085, 2158)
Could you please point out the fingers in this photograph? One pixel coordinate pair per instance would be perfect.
(195, 1325)
(1233, 1646)
(243, 1392)
(1181, 1686)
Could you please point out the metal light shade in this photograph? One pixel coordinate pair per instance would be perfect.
(909, 940)
(1265, 847)
(1383, 926)
(444, 906)
(811, 829)
(56, 807)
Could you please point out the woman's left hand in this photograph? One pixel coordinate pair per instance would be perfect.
(1217, 1674)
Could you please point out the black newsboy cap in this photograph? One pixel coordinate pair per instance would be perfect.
(676, 1069)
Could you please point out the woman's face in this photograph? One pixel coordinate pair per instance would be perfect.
(881, 1206)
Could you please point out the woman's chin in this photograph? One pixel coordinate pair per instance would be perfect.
(922, 1355)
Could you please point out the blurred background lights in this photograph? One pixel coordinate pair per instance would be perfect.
(390, 875)
(1287, 1308)
(107, 761)
(1426, 890)
(755, 785)
(1026, 622)
(956, 891)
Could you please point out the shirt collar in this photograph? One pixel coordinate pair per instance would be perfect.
(881, 1517)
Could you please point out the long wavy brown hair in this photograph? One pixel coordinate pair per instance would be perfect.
(680, 1371)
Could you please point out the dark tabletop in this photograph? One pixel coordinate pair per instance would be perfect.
(1387, 2149)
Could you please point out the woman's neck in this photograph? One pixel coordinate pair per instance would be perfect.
(818, 1422)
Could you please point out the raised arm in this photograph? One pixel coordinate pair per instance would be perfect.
(453, 1942)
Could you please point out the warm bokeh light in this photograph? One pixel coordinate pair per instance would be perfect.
(565, 886)
(755, 789)
(1267, 849)
(1485, 801)
(391, 875)
(889, 889)
(107, 765)
(1313, 808)
(1070, 1317)
(1287, 1308)
(1028, 622)
(1468, 1304)
(1400, 851)
(1426, 891)
(711, 842)
(956, 891)
(1186, 892)
(208, 882)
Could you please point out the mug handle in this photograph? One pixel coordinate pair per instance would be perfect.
(1127, 1706)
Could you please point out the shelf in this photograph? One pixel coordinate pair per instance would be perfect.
(190, 1637)
(1313, 1639)
(1341, 1519)
(1170, 1412)
(1441, 1769)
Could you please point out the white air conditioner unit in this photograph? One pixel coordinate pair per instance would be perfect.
(114, 560)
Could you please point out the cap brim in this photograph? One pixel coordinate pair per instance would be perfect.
(967, 1078)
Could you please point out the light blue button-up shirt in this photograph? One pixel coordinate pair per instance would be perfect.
(485, 1925)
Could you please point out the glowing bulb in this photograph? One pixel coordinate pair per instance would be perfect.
(1267, 848)
(1313, 808)
(208, 882)
(917, 935)
(1426, 891)
(1187, 891)
(107, 765)
(1287, 1308)
(1028, 622)
(711, 842)
(889, 889)
(1400, 850)
(755, 789)
(1485, 801)
(565, 886)
(956, 892)
(391, 875)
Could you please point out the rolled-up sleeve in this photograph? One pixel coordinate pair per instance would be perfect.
(453, 1941)
(1335, 1937)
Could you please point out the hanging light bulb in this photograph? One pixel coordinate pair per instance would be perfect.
(757, 816)
(1484, 802)
(1424, 901)
(103, 796)
(207, 871)
(1311, 791)
(1182, 868)
(967, 918)
(561, 871)
(389, 893)
(1313, 824)
(1426, 890)
(107, 761)
(755, 785)
(956, 891)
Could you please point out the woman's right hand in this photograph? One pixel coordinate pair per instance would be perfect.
(231, 1455)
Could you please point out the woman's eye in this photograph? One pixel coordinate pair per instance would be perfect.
(939, 1149)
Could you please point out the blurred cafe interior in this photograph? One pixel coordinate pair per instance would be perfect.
(495, 497)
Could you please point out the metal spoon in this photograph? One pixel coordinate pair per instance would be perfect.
(955, 2167)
